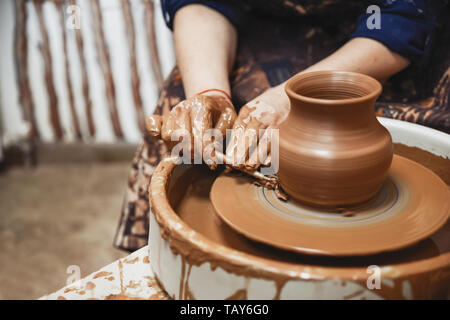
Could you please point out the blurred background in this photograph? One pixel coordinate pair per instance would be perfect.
(77, 79)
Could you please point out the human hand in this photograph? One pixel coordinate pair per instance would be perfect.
(251, 137)
(192, 119)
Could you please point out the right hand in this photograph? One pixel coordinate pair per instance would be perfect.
(194, 116)
(250, 142)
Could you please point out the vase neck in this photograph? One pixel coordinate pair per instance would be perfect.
(353, 115)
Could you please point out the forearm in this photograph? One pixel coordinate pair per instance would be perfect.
(365, 56)
(205, 45)
(361, 55)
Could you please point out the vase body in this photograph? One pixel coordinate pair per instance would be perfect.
(333, 152)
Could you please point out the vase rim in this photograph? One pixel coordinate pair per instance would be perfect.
(304, 76)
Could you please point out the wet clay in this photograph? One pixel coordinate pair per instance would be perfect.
(195, 208)
(408, 208)
(438, 165)
(122, 295)
(216, 243)
(333, 152)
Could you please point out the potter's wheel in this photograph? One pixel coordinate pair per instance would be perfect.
(412, 205)
(195, 255)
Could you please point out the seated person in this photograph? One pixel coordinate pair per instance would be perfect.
(206, 36)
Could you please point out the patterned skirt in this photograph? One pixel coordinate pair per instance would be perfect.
(269, 52)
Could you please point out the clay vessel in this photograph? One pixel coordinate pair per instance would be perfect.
(333, 151)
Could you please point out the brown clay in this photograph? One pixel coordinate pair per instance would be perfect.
(438, 165)
(333, 151)
(187, 219)
(408, 208)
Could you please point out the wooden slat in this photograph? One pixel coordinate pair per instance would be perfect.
(48, 74)
(135, 79)
(151, 42)
(105, 65)
(84, 78)
(21, 66)
(70, 96)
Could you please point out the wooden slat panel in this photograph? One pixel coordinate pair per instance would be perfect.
(71, 98)
(105, 64)
(21, 65)
(135, 79)
(84, 78)
(48, 74)
(151, 42)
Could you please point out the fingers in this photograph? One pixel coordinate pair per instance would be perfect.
(201, 118)
(226, 120)
(224, 114)
(225, 117)
(261, 155)
(236, 136)
(153, 125)
(244, 138)
(196, 117)
(176, 126)
(167, 128)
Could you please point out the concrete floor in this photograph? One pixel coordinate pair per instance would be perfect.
(54, 216)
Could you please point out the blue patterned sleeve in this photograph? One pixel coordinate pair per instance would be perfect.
(406, 26)
(229, 10)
